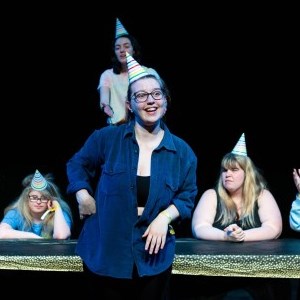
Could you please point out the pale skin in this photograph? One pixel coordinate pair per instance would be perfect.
(296, 177)
(149, 135)
(205, 212)
(294, 212)
(37, 209)
(122, 45)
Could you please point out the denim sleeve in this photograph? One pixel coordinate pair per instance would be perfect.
(82, 166)
(185, 199)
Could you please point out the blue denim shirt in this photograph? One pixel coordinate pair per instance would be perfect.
(110, 242)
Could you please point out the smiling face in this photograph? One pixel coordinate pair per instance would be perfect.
(148, 101)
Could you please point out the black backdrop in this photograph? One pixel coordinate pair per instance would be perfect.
(229, 69)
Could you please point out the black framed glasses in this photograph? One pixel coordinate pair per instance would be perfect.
(34, 198)
(140, 97)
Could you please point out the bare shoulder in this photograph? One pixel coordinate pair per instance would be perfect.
(210, 193)
(207, 202)
(266, 195)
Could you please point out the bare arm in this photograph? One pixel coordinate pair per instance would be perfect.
(203, 218)
(204, 214)
(104, 92)
(294, 217)
(296, 177)
(270, 218)
(61, 228)
(7, 232)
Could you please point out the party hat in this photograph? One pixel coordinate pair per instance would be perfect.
(240, 147)
(135, 70)
(120, 29)
(38, 182)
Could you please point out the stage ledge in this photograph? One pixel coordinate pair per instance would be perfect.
(39, 255)
(272, 259)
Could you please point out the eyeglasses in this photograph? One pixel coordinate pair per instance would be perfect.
(140, 97)
(34, 198)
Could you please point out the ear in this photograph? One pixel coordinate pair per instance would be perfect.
(128, 105)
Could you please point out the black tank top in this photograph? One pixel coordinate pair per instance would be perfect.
(143, 184)
(240, 222)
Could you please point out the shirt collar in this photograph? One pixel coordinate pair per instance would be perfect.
(167, 141)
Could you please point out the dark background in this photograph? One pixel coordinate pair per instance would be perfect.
(229, 69)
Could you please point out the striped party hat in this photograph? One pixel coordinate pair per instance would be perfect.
(120, 29)
(135, 70)
(240, 147)
(38, 182)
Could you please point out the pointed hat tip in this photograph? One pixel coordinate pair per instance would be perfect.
(38, 182)
(135, 70)
(240, 147)
(120, 29)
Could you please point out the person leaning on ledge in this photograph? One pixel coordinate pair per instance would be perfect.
(39, 212)
(294, 217)
(240, 208)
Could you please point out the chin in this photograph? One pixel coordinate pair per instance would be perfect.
(150, 122)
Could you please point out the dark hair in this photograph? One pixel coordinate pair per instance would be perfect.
(117, 67)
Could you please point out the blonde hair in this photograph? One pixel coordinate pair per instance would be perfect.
(21, 204)
(253, 186)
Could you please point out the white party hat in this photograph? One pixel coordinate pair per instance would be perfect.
(240, 147)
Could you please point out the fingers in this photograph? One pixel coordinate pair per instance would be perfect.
(296, 178)
(83, 216)
(236, 234)
(86, 210)
(152, 245)
(155, 243)
(240, 234)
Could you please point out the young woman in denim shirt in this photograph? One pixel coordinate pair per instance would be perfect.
(147, 181)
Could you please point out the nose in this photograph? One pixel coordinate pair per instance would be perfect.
(150, 99)
(228, 172)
